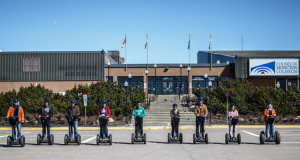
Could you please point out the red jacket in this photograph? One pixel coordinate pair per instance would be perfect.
(107, 112)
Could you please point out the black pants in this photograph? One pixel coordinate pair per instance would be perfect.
(174, 128)
(138, 127)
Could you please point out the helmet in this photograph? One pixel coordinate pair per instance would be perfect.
(200, 98)
(15, 100)
(104, 101)
(72, 101)
(46, 100)
(174, 104)
(269, 102)
(138, 101)
(232, 104)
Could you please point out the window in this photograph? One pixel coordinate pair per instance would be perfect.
(110, 78)
(199, 81)
(31, 64)
(167, 85)
(135, 82)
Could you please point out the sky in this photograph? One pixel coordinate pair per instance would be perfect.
(93, 25)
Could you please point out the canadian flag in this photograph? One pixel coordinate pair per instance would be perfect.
(124, 42)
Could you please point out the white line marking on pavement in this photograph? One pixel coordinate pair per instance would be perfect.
(256, 135)
(8, 135)
(290, 142)
(90, 139)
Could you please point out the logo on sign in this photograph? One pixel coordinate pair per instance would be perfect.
(267, 68)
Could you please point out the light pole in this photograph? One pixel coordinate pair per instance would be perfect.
(129, 77)
(126, 84)
(147, 85)
(154, 89)
(108, 64)
(189, 69)
(205, 78)
(180, 80)
(210, 108)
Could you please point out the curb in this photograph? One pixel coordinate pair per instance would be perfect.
(145, 128)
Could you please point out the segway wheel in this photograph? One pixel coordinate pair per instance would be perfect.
(278, 138)
(145, 138)
(78, 139)
(132, 138)
(180, 137)
(226, 138)
(262, 138)
(169, 137)
(194, 138)
(22, 141)
(51, 139)
(38, 139)
(239, 138)
(206, 138)
(66, 139)
(110, 139)
(8, 141)
(97, 139)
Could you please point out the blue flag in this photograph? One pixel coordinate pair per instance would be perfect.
(189, 44)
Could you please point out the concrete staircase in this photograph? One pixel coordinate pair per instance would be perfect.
(159, 114)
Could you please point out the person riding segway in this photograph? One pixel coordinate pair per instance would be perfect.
(270, 116)
(138, 113)
(201, 113)
(233, 115)
(175, 118)
(45, 114)
(72, 117)
(104, 113)
(15, 116)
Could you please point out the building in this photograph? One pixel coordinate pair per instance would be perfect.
(167, 79)
(61, 70)
(56, 70)
(262, 68)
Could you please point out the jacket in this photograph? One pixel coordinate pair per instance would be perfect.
(139, 112)
(201, 111)
(231, 114)
(43, 112)
(266, 112)
(73, 111)
(107, 112)
(11, 112)
(174, 112)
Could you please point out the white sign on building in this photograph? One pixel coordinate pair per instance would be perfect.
(274, 67)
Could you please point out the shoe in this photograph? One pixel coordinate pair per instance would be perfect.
(101, 139)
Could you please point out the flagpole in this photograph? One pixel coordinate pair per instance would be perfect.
(125, 54)
(190, 50)
(147, 48)
(210, 52)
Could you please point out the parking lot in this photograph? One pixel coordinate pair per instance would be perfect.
(156, 147)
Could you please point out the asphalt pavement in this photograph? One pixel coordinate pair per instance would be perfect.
(156, 147)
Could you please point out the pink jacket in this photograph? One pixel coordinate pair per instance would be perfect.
(231, 114)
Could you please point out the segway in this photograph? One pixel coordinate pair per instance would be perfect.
(276, 138)
(234, 139)
(17, 141)
(176, 138)
(40, 139)
(139, 137)
(103, 121)
(200, 138)
(74, 139)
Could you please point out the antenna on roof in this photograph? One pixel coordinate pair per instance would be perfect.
(242, 42)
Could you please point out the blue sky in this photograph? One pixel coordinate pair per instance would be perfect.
(55, 25)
